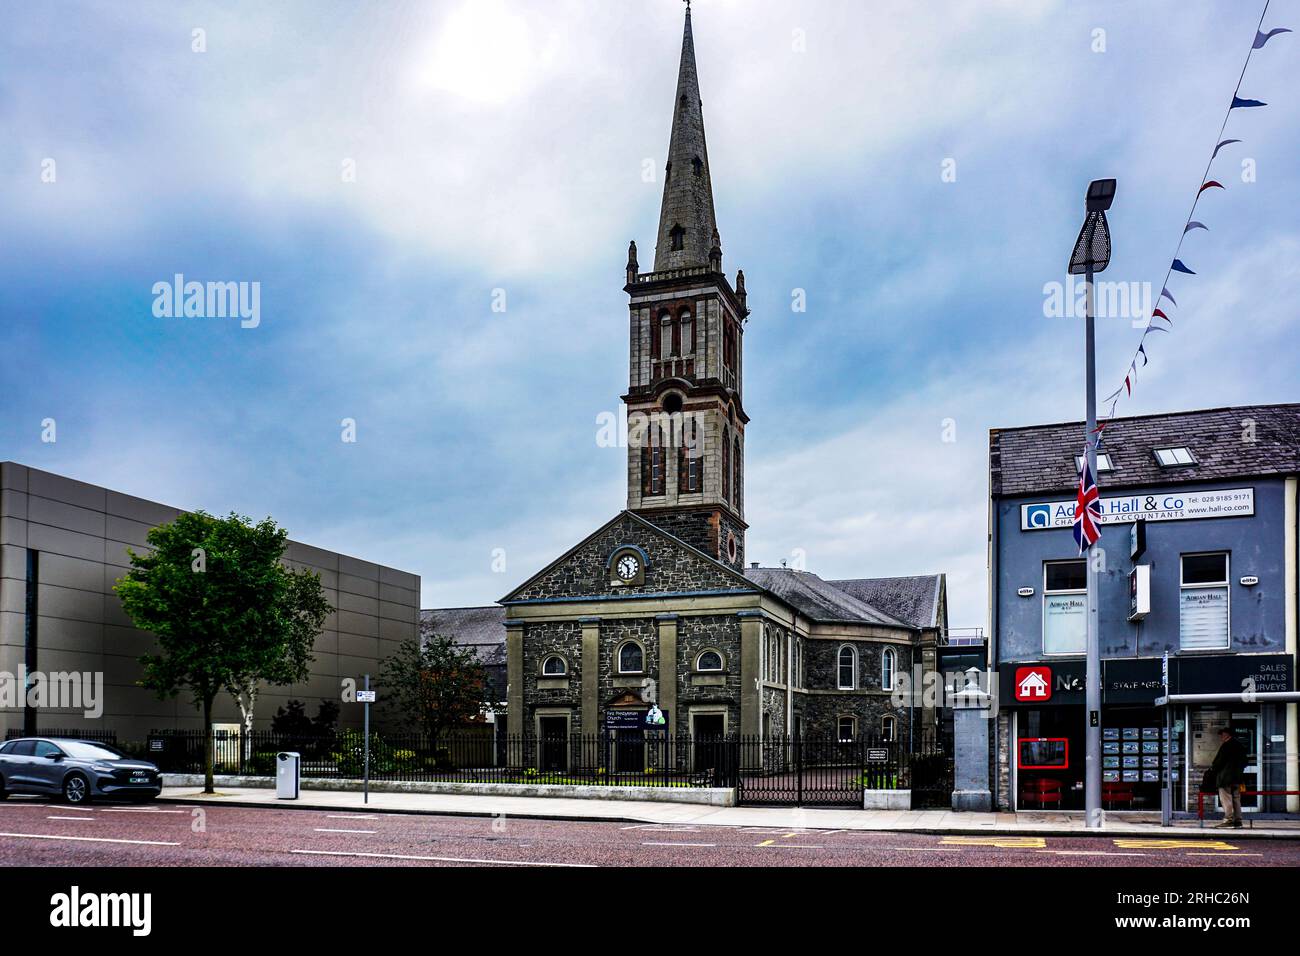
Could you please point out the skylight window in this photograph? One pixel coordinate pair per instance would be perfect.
(1103, 462)
(1174, 457)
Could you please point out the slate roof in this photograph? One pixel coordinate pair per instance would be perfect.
(482, 628)
(817, 599)
(913, 600)
(1040, 458)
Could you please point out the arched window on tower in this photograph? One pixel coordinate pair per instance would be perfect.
(689, 455)
(653, 462)
(688, 334)
(735, 469)
(726, 464)
(678, 236)
(697, 164)
(665, 336)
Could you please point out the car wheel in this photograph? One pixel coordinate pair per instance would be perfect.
(75, 789)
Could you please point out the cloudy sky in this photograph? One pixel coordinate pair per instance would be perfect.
(383, 170)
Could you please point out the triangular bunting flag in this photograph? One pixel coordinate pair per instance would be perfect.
(1238, 102)
(1142, 350)
(1168, 295)
(1221, 145)
(1179, 267)
(1212, 184)
(1194, 225)
(1127, 385)
(1160, 314)
(1261, 37)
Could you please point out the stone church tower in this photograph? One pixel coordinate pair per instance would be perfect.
(686, 420)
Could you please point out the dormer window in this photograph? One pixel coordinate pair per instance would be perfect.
(1174, 457)
(1103, 463)
(678, 235)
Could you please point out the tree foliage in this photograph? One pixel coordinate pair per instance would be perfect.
(434, 683)
(226, 611)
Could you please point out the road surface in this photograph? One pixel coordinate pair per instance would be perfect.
(35, 832)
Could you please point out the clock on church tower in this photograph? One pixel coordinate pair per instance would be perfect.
(686, 417)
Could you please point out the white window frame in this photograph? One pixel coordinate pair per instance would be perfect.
(1225, 584)
(618, 657)
(722, 661)
(686, 332)
(1173, 452)
(853, 723)
(1043, 608)
(889, 728)
(889, 657)
(839, 667)
(1104, 463)
(564, 665)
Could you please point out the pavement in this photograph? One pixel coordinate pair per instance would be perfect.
(211, 832)
(1032, 823)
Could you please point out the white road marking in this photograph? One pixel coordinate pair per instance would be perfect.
(437, 859)
(1225, 853)
(70, 818)
(661, 828)
(651, 843)
(336, 830)
(1090, 853)
(52, 836)
(351, 816)
(136, 810)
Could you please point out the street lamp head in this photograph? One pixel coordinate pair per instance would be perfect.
(1092, 249)
(1101, 193)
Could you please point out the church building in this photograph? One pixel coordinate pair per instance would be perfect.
(656, 612)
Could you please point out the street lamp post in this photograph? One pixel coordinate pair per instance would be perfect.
(1091, 255)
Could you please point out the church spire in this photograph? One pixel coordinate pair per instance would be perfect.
(686, 222)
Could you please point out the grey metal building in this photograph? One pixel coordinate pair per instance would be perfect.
(63, 544)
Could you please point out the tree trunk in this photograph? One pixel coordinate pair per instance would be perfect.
(246, 713)
(207, 743)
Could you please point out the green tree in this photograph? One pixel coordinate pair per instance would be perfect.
(435, 683)
(226, 611)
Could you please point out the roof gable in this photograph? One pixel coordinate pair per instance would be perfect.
(672, 567)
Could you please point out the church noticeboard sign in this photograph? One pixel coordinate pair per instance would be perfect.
(644, 718)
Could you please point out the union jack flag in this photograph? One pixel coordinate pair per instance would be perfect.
(1087, 510)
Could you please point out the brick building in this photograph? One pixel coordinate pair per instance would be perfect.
(656, 608)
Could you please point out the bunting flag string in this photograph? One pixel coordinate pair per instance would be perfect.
(1189, 225)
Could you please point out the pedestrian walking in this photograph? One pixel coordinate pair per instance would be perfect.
(1227, 768)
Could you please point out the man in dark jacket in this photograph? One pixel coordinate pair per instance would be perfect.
(1227, 768)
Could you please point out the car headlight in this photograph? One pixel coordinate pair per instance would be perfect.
(103, 767)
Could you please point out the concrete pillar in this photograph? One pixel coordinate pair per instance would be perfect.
(751, 644)
(668, 678)
(590, 675)
(970, 726)
(515, 690)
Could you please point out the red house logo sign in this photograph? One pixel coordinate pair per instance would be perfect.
(1034, 683)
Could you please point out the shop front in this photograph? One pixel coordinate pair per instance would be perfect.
(1045, 700)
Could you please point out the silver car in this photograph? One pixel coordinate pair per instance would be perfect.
(76, 770)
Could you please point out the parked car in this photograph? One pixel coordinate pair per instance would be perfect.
(76, 770)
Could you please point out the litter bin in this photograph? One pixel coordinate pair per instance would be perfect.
(288, 775)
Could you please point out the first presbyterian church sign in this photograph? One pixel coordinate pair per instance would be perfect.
(1176, 506)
